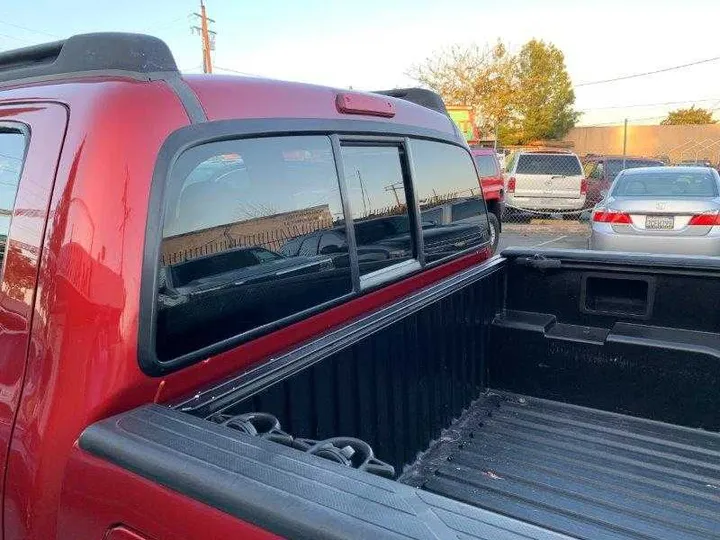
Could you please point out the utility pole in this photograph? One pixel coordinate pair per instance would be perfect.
(206, 35)
(625, 143)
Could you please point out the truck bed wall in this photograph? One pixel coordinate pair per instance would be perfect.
(634, 335)
(398, 387)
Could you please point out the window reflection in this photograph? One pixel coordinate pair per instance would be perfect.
(452, 208)
(12, 150)
(241, 239)
(376, 192)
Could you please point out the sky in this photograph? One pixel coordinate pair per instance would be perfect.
(372, 44)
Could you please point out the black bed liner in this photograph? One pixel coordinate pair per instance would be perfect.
(579, 471)
(290, 493)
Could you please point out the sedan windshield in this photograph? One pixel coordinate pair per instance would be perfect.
(666, 184)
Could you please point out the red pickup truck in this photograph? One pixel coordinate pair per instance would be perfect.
(492, 183)
(223, 316)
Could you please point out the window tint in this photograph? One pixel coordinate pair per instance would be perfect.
(12, 151)
(565, 164)
(376, 193)
(666, 185)
(333, 242)
(432, 215)
(486, 165)
(236, 220)
(444, 175)
(310, 245)
(594, 170)
(616, 165)
(472, 209)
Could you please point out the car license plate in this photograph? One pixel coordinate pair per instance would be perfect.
(660, 222)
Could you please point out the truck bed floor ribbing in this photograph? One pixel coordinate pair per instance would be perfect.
(587, 473)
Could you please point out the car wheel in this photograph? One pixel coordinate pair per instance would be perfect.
(494, 231)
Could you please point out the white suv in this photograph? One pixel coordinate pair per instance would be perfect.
(545, 181)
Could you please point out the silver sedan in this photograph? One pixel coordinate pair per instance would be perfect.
(660, 210)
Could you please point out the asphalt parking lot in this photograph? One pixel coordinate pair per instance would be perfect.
(545, 233)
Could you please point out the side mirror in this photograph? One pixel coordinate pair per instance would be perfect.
(604, 193)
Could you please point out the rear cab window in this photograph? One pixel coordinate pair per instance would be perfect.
(614, 166)
(549, 164)
(231, 208)
(487, 165)
(376, 194)
(260, 232)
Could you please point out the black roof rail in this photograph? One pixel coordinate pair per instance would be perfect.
(419, 96)
(135, 55)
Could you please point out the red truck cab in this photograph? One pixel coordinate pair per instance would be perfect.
(90, 127)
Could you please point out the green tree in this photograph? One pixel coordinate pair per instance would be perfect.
(526, 96)
(472, 76)
(688, 116)
(545, 97)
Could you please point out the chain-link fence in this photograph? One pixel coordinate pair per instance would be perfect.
(548, 198)
(550, 192)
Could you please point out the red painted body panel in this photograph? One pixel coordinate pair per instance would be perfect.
(82, 355)
(226, 97)
(17, 289)
(99, 495)
(81, 360)
(493, 187)
(123, 533)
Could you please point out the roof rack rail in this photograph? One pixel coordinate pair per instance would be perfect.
(419, 96)
(134, 55)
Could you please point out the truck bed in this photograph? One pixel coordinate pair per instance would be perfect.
(578, 471)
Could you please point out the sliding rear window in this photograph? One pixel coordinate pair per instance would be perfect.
(445, 179)
(262, 232)
(240, 240)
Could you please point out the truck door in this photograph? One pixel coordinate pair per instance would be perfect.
(31, 137)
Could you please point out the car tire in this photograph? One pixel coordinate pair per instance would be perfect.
(494, 231)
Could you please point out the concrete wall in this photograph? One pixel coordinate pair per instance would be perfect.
(676, 142)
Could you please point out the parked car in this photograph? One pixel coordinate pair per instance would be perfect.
(466, 211)
(545, 182)
(695, 163)
(493, 187)
(602, 170)
(660, 210)
(542, 395)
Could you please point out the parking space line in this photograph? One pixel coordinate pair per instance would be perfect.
(550, 241)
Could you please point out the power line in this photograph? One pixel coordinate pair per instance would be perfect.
(618, 123)
(30, 29)
(650, 104)
(240, 72)
(22, 40)
(644, 74)
(161, 26)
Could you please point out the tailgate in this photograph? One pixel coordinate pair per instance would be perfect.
(557, 176)
(547, 185)
(280, 489)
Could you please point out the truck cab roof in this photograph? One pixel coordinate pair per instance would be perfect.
(104, 65)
